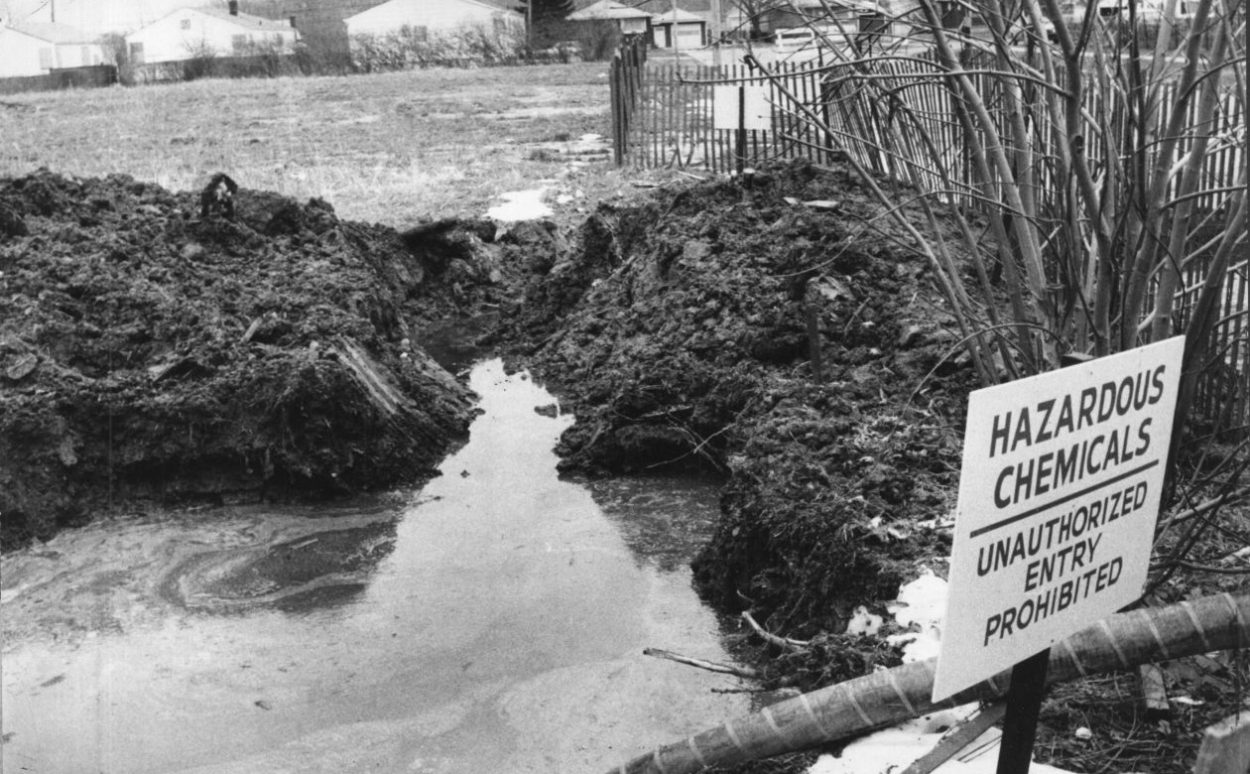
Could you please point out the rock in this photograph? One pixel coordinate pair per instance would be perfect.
(21, 366)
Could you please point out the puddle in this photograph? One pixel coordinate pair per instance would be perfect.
(521, 205)
(493, 622)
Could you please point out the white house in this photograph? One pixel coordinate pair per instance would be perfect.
(430, 17)
(629, 19)
(40, 47)
(96, 17)
(189, 33)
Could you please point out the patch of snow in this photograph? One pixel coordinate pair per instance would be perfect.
(864, 622)
(921, 603)
(893, 749)
(520, 205)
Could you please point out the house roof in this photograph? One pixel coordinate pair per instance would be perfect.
(608, 9)
(506, 5)
(52, 32)
(516, 6)
(677, 15)
(662, 7)
(246, 19)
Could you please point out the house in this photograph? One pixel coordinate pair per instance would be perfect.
(829, 14)
(41, 47)
(423, 18)
(191, 33)
(679, 29)
(629, 19)
(97, 17)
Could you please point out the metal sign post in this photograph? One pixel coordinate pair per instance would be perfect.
(1024, 703)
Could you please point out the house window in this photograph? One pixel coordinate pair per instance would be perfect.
(136, 53)
(184, 24)
(238, 43)
(45, 58)
(419, 34)
(501, 24)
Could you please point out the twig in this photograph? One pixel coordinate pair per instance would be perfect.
(1224, 499)
(783, 642)
(711, 666)
(1208, 568)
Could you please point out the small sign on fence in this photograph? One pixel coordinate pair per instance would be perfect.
(741, 106)
(1058, 496)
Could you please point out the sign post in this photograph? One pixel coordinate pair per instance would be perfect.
(1058, 496)
(741, 108)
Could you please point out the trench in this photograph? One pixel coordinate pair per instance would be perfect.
(491, 621)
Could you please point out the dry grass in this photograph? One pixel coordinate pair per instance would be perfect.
(395, 148)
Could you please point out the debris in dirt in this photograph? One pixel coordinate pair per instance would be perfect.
(218, 196)
(177, 358)
(21, 366)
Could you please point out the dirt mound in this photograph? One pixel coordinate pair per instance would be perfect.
(682, 329)
(147, 351)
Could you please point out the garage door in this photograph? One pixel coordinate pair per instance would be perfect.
(690, 35)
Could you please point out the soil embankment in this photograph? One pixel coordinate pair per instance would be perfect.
(687, 330)
(147, 352)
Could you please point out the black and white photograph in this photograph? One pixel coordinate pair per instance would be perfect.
(624, 386)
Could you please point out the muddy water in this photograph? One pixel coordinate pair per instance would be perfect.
(492, 622)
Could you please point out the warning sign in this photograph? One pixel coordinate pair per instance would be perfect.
(1058, 497)
(744, 106)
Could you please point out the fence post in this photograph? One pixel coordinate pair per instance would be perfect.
(614, 87)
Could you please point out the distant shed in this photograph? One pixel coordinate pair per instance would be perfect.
(678, 28)
(628, 19)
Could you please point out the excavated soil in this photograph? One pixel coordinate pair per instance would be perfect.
(777, 330)
(781, 331)
(148, 353)
(681, 328)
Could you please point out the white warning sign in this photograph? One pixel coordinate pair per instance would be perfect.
(743, 106)
(1058, 497)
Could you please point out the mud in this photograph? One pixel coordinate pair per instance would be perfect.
(680, 330)
(148, 353)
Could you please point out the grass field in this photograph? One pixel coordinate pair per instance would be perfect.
(394, 148)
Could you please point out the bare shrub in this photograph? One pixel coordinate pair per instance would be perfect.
(202, 62)
(1078, 156)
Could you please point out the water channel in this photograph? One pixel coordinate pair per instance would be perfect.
(490, 622)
